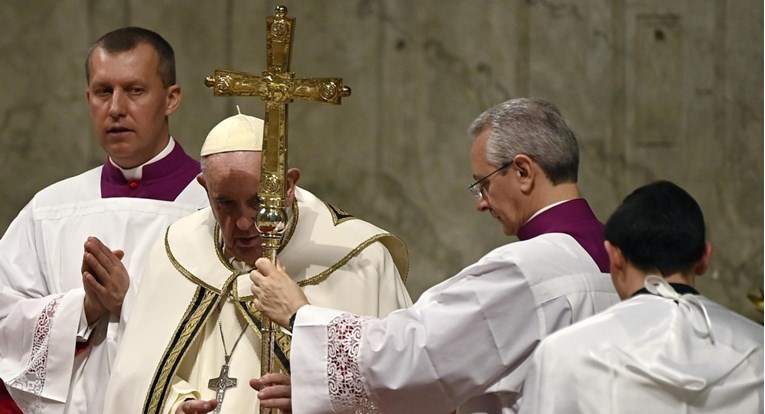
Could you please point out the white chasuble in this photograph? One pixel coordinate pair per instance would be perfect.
(41, 295)
(173, 346)
(465, 343)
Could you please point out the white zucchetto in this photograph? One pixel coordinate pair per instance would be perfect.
(235, 133)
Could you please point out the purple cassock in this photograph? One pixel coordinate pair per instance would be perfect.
(163, 180)
(575, 218)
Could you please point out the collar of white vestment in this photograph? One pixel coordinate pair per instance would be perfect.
(136, 173)
(680, 288)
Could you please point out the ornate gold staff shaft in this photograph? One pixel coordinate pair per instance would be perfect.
(272, 217)
(277, 86)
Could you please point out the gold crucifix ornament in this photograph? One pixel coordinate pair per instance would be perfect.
(277, 87)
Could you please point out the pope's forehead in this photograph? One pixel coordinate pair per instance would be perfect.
(232, 161)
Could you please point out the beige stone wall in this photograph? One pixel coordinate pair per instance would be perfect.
(653, 88)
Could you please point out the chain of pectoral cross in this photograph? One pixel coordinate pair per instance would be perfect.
(223, 382)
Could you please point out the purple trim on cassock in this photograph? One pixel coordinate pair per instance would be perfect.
(575, 218)
(161, 180)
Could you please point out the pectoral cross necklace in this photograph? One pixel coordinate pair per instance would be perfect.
(223, 382)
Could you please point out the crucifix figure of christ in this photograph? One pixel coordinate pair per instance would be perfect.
(277, 87)
(221, 384)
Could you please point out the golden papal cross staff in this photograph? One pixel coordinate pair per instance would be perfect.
(277, 86)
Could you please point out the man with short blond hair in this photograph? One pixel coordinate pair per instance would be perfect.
(63, 307)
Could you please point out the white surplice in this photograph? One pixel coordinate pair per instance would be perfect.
(465, 342)
(173, 345)
(41, 294)
(651, 354)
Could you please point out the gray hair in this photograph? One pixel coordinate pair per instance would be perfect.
(533, 127)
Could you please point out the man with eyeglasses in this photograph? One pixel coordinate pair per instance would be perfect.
(466, 343)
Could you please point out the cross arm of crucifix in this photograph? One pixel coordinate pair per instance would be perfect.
(277, 87)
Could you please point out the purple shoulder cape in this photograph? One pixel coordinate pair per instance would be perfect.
(575, 218)
(162, 180)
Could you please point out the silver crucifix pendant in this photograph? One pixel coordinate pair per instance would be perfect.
(221, 384)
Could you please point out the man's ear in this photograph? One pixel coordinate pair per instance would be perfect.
(293, 175)
(201, 181)
(173, 99)
(525, 170)
(615, 258)
(703, 265)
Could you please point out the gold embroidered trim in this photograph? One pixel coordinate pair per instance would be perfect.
(291, 225)
(282, 341)
(185, 334)
(315, 280)
(173, 351)
(339, 215)
(187, 274)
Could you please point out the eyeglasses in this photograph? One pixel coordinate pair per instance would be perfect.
(477, 189)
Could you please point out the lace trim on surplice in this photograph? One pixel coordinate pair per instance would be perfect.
(33, 379)
(346, 390)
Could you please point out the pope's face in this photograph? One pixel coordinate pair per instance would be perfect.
(129, 105)
(232, 180)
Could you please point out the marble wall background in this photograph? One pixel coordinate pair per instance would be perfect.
(653, 88)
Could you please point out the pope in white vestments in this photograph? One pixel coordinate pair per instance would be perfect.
(195, 312)
(41, 297)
